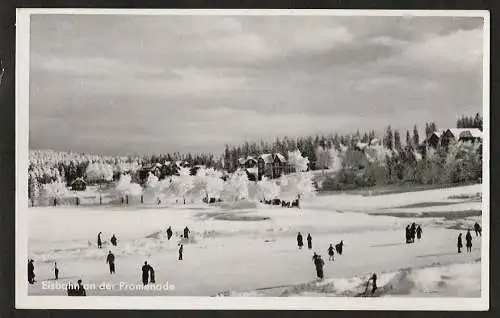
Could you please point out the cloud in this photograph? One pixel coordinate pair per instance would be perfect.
(194, 83)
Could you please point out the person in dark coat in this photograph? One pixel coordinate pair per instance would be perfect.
(31, 272)
(468, 241)
(459, 243)
(113, 240)
(111, 261)
(408, 234)
(419, 232)
(186, 232)
(169, 233)
(309, 241)
(413, 229)
(331, 253)
(374, 282)
(319, 263)
(56, 271)
(152, 275)
(145, 273)
(99, 241)
(477, 229)
(300, 241)
(339, 247)
(77, 290)
(181, 249)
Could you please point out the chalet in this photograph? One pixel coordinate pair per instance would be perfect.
(268, 165)
(434, 139)
(78, 185)
(461, 134)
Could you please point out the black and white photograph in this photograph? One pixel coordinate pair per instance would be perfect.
(318, 157)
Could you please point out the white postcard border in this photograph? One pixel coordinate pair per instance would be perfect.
(23, 301)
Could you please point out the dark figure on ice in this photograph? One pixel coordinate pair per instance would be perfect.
(151, 275)
(111, 261)
(477, 229)
(113, 240)
(186, 232)
(459, 243)
(309, 241)
(408, 234)
(56, 271)
(419, 232)
(319, 263)
(468, 241)
(181, 249)
(169, 233)
(145, 273)
(77, 290)
(413, 230)
(331, 253)
(31, 272)
(339, 247)
(99, 241)
(300, 242)
(374, 283)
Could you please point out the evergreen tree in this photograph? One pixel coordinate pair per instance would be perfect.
(408, 139)
(389, 139)
(416, 139)
(397, 140)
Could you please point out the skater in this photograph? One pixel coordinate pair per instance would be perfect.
(56, 271)
(477, 229)
(169, 233)
(419, 232)
(374, 282)
(319, 263)
(111, 261)
(145, 273)
(151, 275)
(339, 247)
(31, 272)
(309, 241)
(412, 232)
(408, 234)
(459, 243)
(113, 240)
(76, 290)
(181, 249)
(468, 241)
(99, 241)
(330, 252)
(186, 233)
(300, 242)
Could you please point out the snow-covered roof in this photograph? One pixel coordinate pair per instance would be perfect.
(267, 157)
(242, 161)
(465, 132)
(79, 179)
(280, 157)
(253, 170)
(361, 145)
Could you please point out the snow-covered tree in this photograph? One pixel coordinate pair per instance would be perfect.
(125, 187)
(55, 189)
(209, 182)
(296, 160)
(236, 187)
(267, 189)
(181, 185)
(99, 172)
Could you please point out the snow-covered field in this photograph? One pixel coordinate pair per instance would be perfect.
(253, 250)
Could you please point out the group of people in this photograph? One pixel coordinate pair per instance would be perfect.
(113, 240)
(317, 259)
(412, 231)
(148, 274)
(468, 241)
(300, 240)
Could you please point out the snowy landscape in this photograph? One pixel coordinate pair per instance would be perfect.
(251, 251)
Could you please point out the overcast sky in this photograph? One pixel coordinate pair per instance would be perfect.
(139, 84)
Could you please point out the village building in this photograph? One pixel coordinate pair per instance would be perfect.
(265, 165)
(78, 185)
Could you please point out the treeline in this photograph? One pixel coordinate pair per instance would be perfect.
(470, 122)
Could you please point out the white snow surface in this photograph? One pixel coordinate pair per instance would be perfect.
(250, 249)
